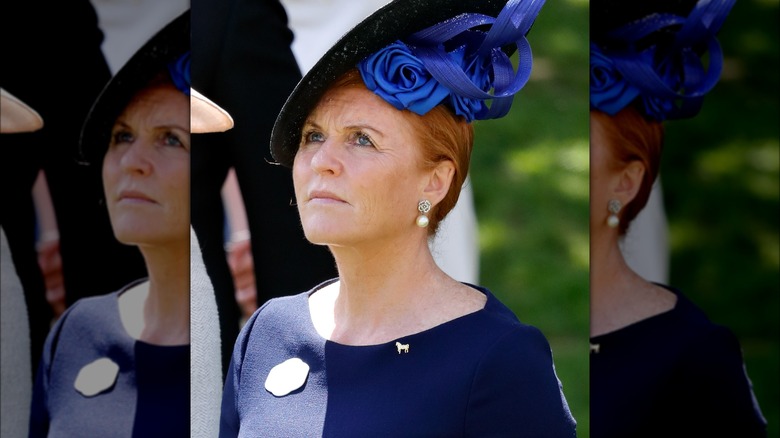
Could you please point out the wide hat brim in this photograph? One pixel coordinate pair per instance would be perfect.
(166, 45)
(608, 15)
(396, 20)
(16, 116)
(206, 116)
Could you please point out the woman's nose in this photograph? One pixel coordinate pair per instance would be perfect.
(136, 158)
(327, 159)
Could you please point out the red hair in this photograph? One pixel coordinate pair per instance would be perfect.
(632, 137)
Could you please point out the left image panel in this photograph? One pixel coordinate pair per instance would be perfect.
(95, 218)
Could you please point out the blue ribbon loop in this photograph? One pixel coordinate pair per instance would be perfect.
(510, 27)
(469, 64)
(672, 79)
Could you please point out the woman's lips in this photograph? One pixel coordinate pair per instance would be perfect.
(135, 196)
(325, 197)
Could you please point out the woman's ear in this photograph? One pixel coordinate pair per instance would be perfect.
(629, 181)
(439, 180)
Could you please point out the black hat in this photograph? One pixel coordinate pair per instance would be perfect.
(165, 47)
(608, 15)
(398, 20)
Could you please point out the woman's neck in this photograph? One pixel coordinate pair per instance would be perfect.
(159, 312)
(384, 294)
(618, 295)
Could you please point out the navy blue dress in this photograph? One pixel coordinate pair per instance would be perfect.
(151, 395)
(675, 374)
(483, 374)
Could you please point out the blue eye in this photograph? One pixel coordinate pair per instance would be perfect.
(313, 137)
(121, 136)
(172, 140)
(363, 140)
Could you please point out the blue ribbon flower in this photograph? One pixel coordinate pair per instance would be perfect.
(609, 90)
(400, 78)
(179, 69)
(668, 80)
(453, 64)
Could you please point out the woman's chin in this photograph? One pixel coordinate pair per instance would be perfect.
(327, 236)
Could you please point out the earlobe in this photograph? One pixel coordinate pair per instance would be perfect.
(439, 181)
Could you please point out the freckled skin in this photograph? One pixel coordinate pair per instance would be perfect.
(359, 151)
(149, 158)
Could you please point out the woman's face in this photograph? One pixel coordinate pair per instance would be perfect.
(146, 170)
(357, 174)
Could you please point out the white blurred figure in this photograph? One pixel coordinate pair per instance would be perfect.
(646, 244)
(127, 24)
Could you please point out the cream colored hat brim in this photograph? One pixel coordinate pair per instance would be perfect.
(207, 116)
(16, 116)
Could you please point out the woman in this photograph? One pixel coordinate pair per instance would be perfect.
(659, 366)
(117, 364)
(394, 346)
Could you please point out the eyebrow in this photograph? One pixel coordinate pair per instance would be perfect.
(356, 127)
(167, 126)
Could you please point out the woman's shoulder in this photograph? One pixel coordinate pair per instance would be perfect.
(283, 313)
(282, 307)
(89, 312)
(516, 376)
(500, 329)
(689, 322)
(501, 315)
(88, 322)
(95, 311)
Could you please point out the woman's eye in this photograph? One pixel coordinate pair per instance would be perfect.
(363, 140)
(314, 137)
(172, 140)
(121, 137)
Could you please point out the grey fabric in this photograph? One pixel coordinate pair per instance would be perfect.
(16, 375)
(205, 360)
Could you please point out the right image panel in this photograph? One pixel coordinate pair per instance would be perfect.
(684, 191)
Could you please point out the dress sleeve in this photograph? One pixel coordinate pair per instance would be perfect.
(230, 420)
(721, 400)
(516, 391)
(39, 408)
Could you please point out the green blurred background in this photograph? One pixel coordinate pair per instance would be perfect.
(529, 175)
(721, 184)
(721, 178)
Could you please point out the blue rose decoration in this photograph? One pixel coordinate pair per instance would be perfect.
(398, 77)
(179, 69)
(609, 91)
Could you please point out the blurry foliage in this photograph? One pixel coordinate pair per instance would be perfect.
(721, 179)
(721, 183)
(529, 176)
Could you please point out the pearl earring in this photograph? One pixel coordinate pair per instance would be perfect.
(423, 207)
(614, 207)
